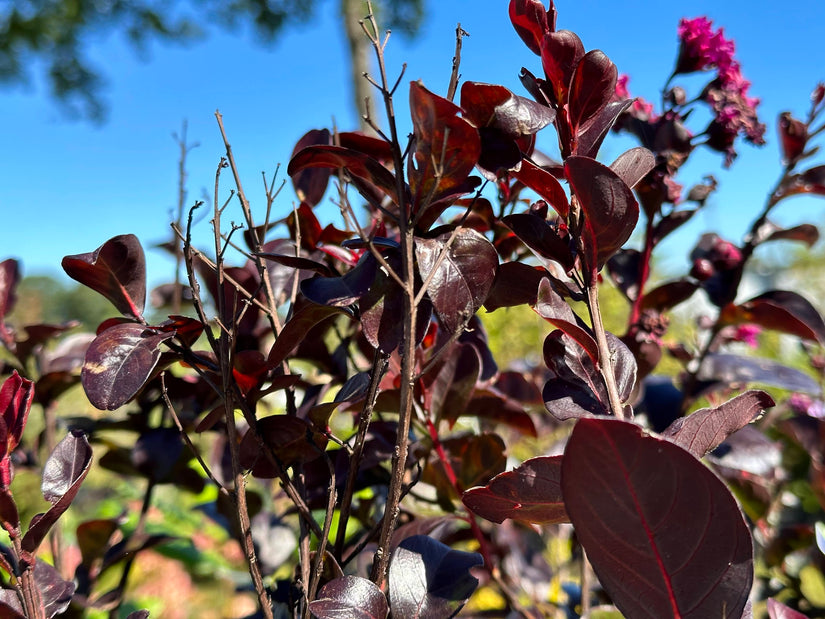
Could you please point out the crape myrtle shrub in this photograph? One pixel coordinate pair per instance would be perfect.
(340, 381)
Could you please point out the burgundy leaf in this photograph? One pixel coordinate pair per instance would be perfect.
(592, 135)
(805, 233)
(546, 185)
(669, 295)
(624, 267)
(703, 430)
(728, 369)
(10, 606)
(296, 329)
(342, 291)
(9, 516)
(592, 87)
(356, 164)
(458, 270)
(561, 53)
(777, 610)
(489, 105)
(291, 439)
(63, 473)
(515, 284)
(451, 382)
(530, 19)
(556, 311)
(487, 404)
(119, 362)
(780, 310)
(430, 579)
(94, 537)
(117, 270)
(663, 533)
(311, 183)
(530, 493)
(633, 165)
(55, 593)
(610, 210)
(541, 237)
(156, 451)
(447, 147)
(812, 180)
(9, 278)
(476, 458)
(16, 397)
(296, 262)
(350, 596)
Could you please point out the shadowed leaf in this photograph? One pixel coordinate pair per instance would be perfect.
(119, 362)
(350, 597)
(55, 593)
(556, 311)
(546, 185)
(430, 579)
(665, 536)
(732, 369)
(291, 439)
(592, 87)
(530, 493)
(541, 237)
(117, 270)
(311, 183)
(593, 134)
(780, 310)
(669, 295)
(296, 329)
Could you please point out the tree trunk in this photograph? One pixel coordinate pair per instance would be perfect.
(361, 61)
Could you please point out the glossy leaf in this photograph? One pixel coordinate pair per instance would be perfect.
(703, 430)
(458, 271)
(546, 185)
(530, 493)
(780, 310)
(530, 19)
(63, 474)
(515, 284)
(731, 369)
(663, 533)
(669, 295)
(10, 606)
(296, 329)
(593, 134)
(592, 87)
(356, 164)
(610, 210)
(55, 593)
(16, 396)
(490, 405)
(119, 362)
(350, 597)
(345, 290)
(429, 579)
(490, 105)
(117, 270)
(556, 311)
(561, 52)
(542, 238)
(804, 233)
(446, 149)
(310, 184)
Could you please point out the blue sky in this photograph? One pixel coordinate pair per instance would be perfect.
(67, 186)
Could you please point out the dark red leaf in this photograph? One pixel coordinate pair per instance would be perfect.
(10, 606)
(610, 210)
(356, 164)
(342, 291)
(780, 310)
(592, 87)
(703, 430)
(592, 135)
(447, 147)
(311, 183)
(296, 329)
(296, 262)
(350, 596)
(812, 180)
(530, 19)
(117, 270)
(291, 439)
(458, 270)
(94, 537)
(9, 278)
(556, 311)
(669, 295)
(561, 53)
(489, 105)
(16, 397)
(624, 268)
(487, 404)
(515, 284)
(633, 165)
(546, 185)
(55, 593)
(119, 362)
(451, 382)
(805, 233)
(63, 473)
(541, 237)
(665, 536)
(156, 451)
(777, 610)
(531, 493)
(430, 579)
(476, 458)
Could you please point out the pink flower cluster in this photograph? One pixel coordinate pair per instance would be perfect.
(734, 111)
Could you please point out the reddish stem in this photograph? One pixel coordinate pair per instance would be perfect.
(644, 274)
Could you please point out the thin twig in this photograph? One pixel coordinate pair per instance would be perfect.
(460, 33)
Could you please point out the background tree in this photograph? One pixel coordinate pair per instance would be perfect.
(53, 36)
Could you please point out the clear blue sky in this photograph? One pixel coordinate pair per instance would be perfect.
(67, 186)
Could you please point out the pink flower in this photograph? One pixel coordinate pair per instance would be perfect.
(805, 405)
(701, 48)
(640, 109)
(747, 334)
